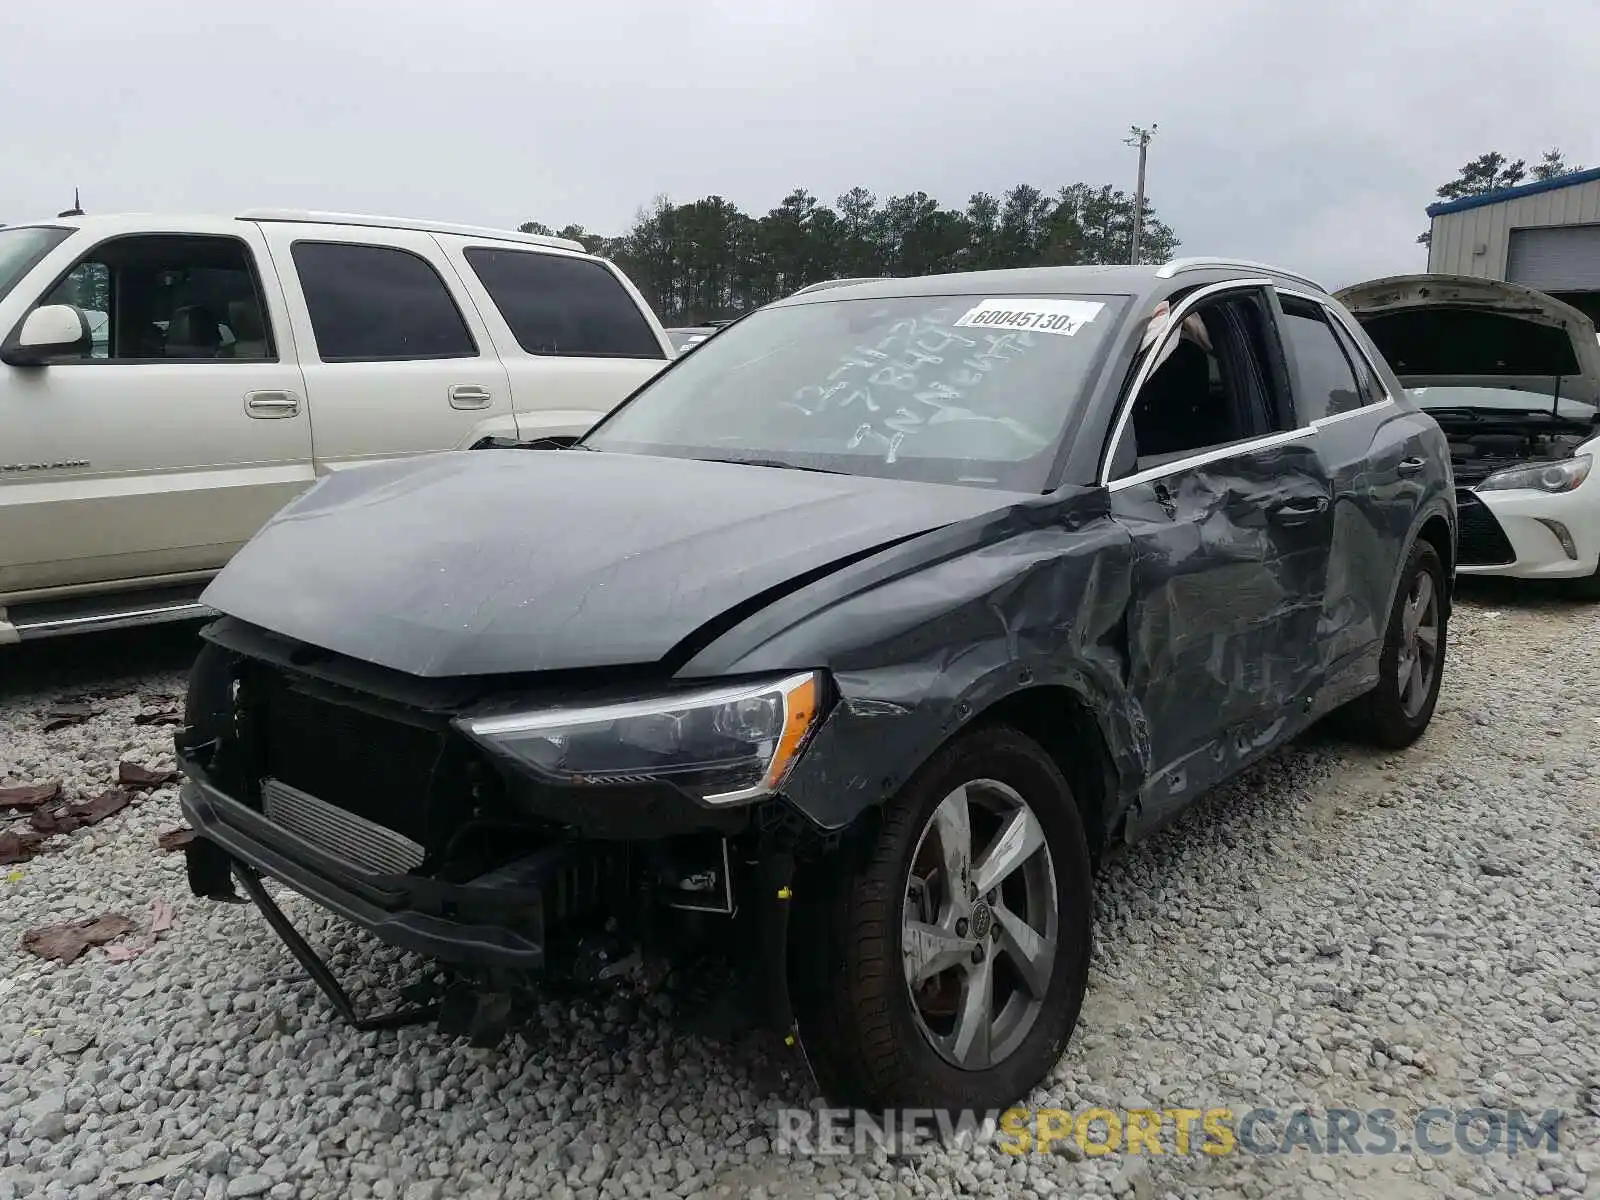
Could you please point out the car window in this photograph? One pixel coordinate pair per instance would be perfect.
(1373, 390)
(169, 297)
(564, 307)
(1324, 383)
(1211, 387)
(973, 389)
(378, 304)
(22, 247)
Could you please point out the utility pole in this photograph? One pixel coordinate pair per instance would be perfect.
(1140, 138)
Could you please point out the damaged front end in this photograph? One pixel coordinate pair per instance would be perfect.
(505, 846)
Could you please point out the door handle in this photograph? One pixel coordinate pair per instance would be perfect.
(470, 395)
(265, 405)
(1410, 466)
(1291, 512)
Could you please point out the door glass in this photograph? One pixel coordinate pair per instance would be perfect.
(378, 304)
(89, 287)
(170, 297)
(1372, 389)
(567, 307)
(1210, 388)
(1324, 384)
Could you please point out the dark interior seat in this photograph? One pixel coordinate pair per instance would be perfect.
(193, 332)
(1177, 408)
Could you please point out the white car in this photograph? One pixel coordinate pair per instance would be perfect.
(1512, 376)
(168, 383)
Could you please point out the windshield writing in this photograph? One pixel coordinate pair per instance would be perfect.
(968, 389)
(919, 374)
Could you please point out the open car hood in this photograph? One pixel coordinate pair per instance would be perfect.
(1459, 331)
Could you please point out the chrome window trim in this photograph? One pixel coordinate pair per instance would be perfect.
(1233, 449)
(1174, 319)
(1377, 405)
(1215, 454)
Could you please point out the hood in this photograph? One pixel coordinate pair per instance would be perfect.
(509, 561)
(1453, 330)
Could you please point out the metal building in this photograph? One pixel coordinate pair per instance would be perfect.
(1544, 234)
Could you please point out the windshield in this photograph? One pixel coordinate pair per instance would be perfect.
(954, 389)
(23, 246)
(1491, 400)
(682, 339)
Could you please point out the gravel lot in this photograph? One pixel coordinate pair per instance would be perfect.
(1338, 928)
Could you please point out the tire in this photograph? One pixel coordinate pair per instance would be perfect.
(870, 1044)
(1390, 715)
(1587, 588)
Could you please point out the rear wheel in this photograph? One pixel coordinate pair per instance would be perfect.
(1396, 712)
(947, 964)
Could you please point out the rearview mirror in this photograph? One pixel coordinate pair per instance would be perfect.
(49, 332)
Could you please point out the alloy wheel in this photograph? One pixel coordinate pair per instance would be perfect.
(979, 930)
(1418, 659)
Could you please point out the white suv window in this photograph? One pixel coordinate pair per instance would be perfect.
(564, 307)
(169, 297)
(378, 304)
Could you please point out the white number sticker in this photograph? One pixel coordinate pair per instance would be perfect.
(1064, 317)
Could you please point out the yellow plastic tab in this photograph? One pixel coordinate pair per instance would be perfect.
(784, 893)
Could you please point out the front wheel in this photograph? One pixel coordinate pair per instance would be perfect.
(1396, 712)
(1587, 588)
(946, 963)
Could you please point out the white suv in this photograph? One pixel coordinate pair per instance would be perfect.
(170, 383)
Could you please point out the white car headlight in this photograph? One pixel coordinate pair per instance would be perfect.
(1560, 476)
(724, 745)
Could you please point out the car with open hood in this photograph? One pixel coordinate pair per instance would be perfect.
(851, 641)
(1513, 377)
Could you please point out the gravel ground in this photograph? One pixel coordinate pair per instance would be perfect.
(1336, 929)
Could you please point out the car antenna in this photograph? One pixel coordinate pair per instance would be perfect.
(77, 207)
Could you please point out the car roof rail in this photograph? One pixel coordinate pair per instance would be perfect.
(1205, 263)
(305, 217)
(823, 285)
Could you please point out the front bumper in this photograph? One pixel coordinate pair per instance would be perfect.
(495, 921)
(1532, 549)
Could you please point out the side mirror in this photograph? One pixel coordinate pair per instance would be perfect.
(49, 332)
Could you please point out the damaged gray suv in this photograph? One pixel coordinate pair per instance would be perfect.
(851, 640)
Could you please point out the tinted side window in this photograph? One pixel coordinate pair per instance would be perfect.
(169, 297)
(1372, 388)
(566, 307)
(1324, 384)
(372, 303)
(1212, 386)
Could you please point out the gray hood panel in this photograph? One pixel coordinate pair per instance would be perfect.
(499, 561)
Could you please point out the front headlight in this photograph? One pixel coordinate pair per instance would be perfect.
(1546, 477)
(725, 745)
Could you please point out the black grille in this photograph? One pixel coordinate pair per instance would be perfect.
(378, 768)
(1480, 540)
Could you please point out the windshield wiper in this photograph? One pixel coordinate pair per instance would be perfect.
(1480, 414)
(773, 462)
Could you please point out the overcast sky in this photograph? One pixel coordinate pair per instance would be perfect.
(1304, 132)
